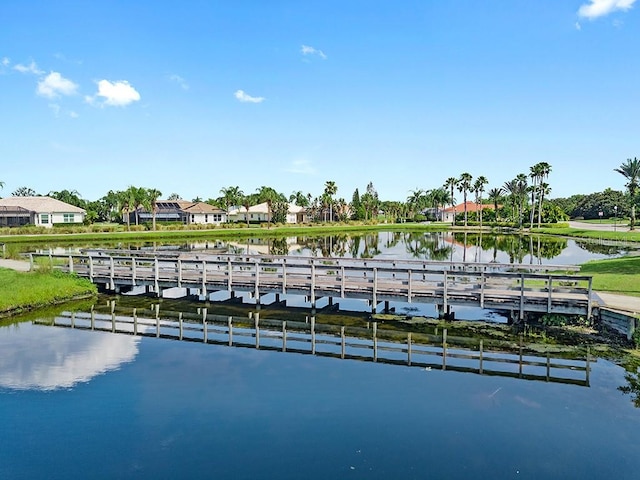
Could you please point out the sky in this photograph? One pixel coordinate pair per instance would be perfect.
(190, 97)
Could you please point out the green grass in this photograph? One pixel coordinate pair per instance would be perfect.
(218, 233)
(618, 275)
(593, 234)
(20, 291)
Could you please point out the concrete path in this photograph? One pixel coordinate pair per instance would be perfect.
(19, 265)
(609, 227)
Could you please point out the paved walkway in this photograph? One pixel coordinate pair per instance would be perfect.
(609, 227)
(19, 265)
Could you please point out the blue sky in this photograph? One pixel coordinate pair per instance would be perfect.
(193, 96)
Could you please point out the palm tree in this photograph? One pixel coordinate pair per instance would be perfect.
(495, 194)
(545, 170)
(464, 185)
(152, 195)
(330, 189)
(415, 200)
(269, 195)
(451, 183)
(631, 171)
(478, 188)
(438, 197)
(231, 196)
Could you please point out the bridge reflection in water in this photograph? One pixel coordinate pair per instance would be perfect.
(364, 343)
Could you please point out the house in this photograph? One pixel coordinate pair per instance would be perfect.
(40, 211)
(260, 213)
(185, 212)
(448, 214)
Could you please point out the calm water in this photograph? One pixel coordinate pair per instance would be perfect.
(88, 404)
(439, 246)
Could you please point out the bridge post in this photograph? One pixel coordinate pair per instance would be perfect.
(229, 275)
(180, 325)
(342, 281)
(342, 342)
(203, 292)
(133, 271)
(70, 264)
(444, 349)
(521, 296)
(374, 299)
(284, 335)
(409, 293)
(284, 276)
(156, 275)
(589, 307)
(550, 289)
(112, 273)
(179, 273)
(313, 286)
(257, 327)
(230, 329)
(204, 325)
(375, 341)
(313, 335)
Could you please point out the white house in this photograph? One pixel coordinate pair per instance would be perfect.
(40, 211)
(260, 213)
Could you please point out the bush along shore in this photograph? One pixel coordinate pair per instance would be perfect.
(24, 291)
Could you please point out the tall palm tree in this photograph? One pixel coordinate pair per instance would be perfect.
(464, 185)
(478, 188)
(451, 183)
(631, 171)
(545, 170)
(153, 194)
(330, 189)
(231, 196)
(495, 195)
(438, 197)
(415, 200)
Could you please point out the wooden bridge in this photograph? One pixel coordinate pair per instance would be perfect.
(513, 287)
(438, 352)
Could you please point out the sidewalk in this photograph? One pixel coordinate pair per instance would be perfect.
(19, 265)
(618, 302)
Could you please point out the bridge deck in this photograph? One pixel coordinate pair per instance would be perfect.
(481, 285)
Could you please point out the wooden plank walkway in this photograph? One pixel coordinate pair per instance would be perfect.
(438, 352)
(488, 286)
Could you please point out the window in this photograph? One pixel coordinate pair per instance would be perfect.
(68, 218)
(44, 218)
(206, 218)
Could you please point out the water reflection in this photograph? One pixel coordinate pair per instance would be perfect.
(438, 246)
(427, 347)
(33, 358)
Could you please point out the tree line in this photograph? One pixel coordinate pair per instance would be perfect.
(522, 201)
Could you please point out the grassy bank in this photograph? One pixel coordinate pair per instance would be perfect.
(592, 234)
(146, 235)
(616, 275)
(21, 291)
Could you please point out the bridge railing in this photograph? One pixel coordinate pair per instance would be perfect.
(357, 278)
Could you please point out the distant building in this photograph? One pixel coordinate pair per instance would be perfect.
(185, 212)
(40, 211)
(448, 214)
(260, 213)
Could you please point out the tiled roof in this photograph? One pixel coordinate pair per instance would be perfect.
(471, 207)
(40, 204)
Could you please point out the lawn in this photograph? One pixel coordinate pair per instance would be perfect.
(619, 275)
(21, 291)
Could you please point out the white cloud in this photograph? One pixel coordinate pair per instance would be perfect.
(31, 68)
(5, 61)
(54, 85)
(307, 50)
(244, 97)
(302, 167)
(600, 8)
(578, 26)
(180, 81)
(115, 94)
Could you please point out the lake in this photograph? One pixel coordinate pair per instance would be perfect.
(438, 246)
(81, 403)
